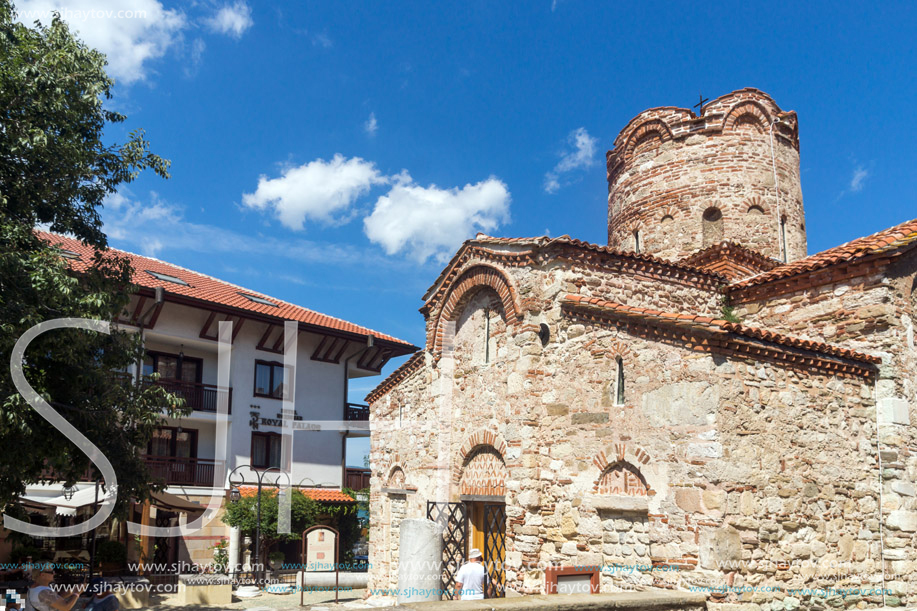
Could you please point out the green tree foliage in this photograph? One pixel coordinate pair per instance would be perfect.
(304, 513)
(56, 170)
(243, 514)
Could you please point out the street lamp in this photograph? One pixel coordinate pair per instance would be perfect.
(235, 494)
(68, 492)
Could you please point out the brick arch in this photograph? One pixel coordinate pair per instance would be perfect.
(745, 111)
(756, 202)
(653, 126)
(621, 451)
(618, 348)
(622, 478)
(465, 287)
(397, 478)
(668, 212)
(623, 459)
(482, 437)
(389, 464)
(481, 469)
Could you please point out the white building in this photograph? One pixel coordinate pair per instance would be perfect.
(178, 312)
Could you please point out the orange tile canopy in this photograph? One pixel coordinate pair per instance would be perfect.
(325, 495)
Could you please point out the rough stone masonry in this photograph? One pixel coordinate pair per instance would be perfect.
(697, 405)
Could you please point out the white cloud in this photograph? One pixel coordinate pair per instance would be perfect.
(322, 40)
(433, 222)
(131, 33)
(231, 19)
(580, 155)
(860, 174)
(197, 57)
(155, 226)
(371, 125)
(319, 190)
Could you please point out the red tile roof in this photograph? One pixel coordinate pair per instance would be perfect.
(542, 242)
(706, 322)
(324, 495)
(884, 242)
(732, 260)
(207, 289)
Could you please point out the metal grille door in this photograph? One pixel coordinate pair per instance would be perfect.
(453, 518)
(495, 549)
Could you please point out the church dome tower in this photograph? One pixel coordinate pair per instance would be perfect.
(678, 182)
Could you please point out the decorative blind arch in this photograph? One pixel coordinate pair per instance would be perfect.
(465, 287)
(654, 129)
(484, 473)
(622, 478)
(397, 479)
(747, 113)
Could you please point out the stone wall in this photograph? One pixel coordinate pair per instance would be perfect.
(771, 470)
(683, 182)
(873, 311)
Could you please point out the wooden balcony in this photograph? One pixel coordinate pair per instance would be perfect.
(199, 397)
(181, 471)
(356, 479)
(356, 412)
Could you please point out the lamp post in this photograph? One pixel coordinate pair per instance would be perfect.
(92, 550)
(235, 494)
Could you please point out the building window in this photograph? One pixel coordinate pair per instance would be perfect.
(712, 226)
(636, 241)
(167, 278)
(486, 335)
(619, 386)
(172, 367)
(269, 379)
(783, 239)
(265, 450)
(173, 442)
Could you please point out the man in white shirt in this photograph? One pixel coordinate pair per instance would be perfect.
(469, 582)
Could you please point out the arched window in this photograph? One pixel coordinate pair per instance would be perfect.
(486, 335)
(636, 240)
(914, 299)
(783, 237)
(712, 226)
(619, 384)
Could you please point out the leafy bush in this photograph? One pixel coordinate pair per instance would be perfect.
(221, 556)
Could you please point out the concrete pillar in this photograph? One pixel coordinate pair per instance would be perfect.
(234, 535)
(420, 559)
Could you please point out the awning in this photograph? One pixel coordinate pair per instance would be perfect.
(69, 507)
(165, 500)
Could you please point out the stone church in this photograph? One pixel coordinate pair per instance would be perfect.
(697, 404)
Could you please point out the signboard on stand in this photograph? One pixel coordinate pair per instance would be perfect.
(320, 554)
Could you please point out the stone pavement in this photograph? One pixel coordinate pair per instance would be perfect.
(655, 600)
(316, 601)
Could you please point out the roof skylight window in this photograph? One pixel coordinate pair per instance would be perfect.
(167, 278)
(260, 300)
(69, 254)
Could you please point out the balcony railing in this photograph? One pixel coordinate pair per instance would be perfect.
(181, 471)
(356, 412)
(199, 397)
(356, 479)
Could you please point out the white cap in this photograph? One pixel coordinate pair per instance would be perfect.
(474, 553)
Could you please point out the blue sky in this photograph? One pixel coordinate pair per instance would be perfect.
(334, 154)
